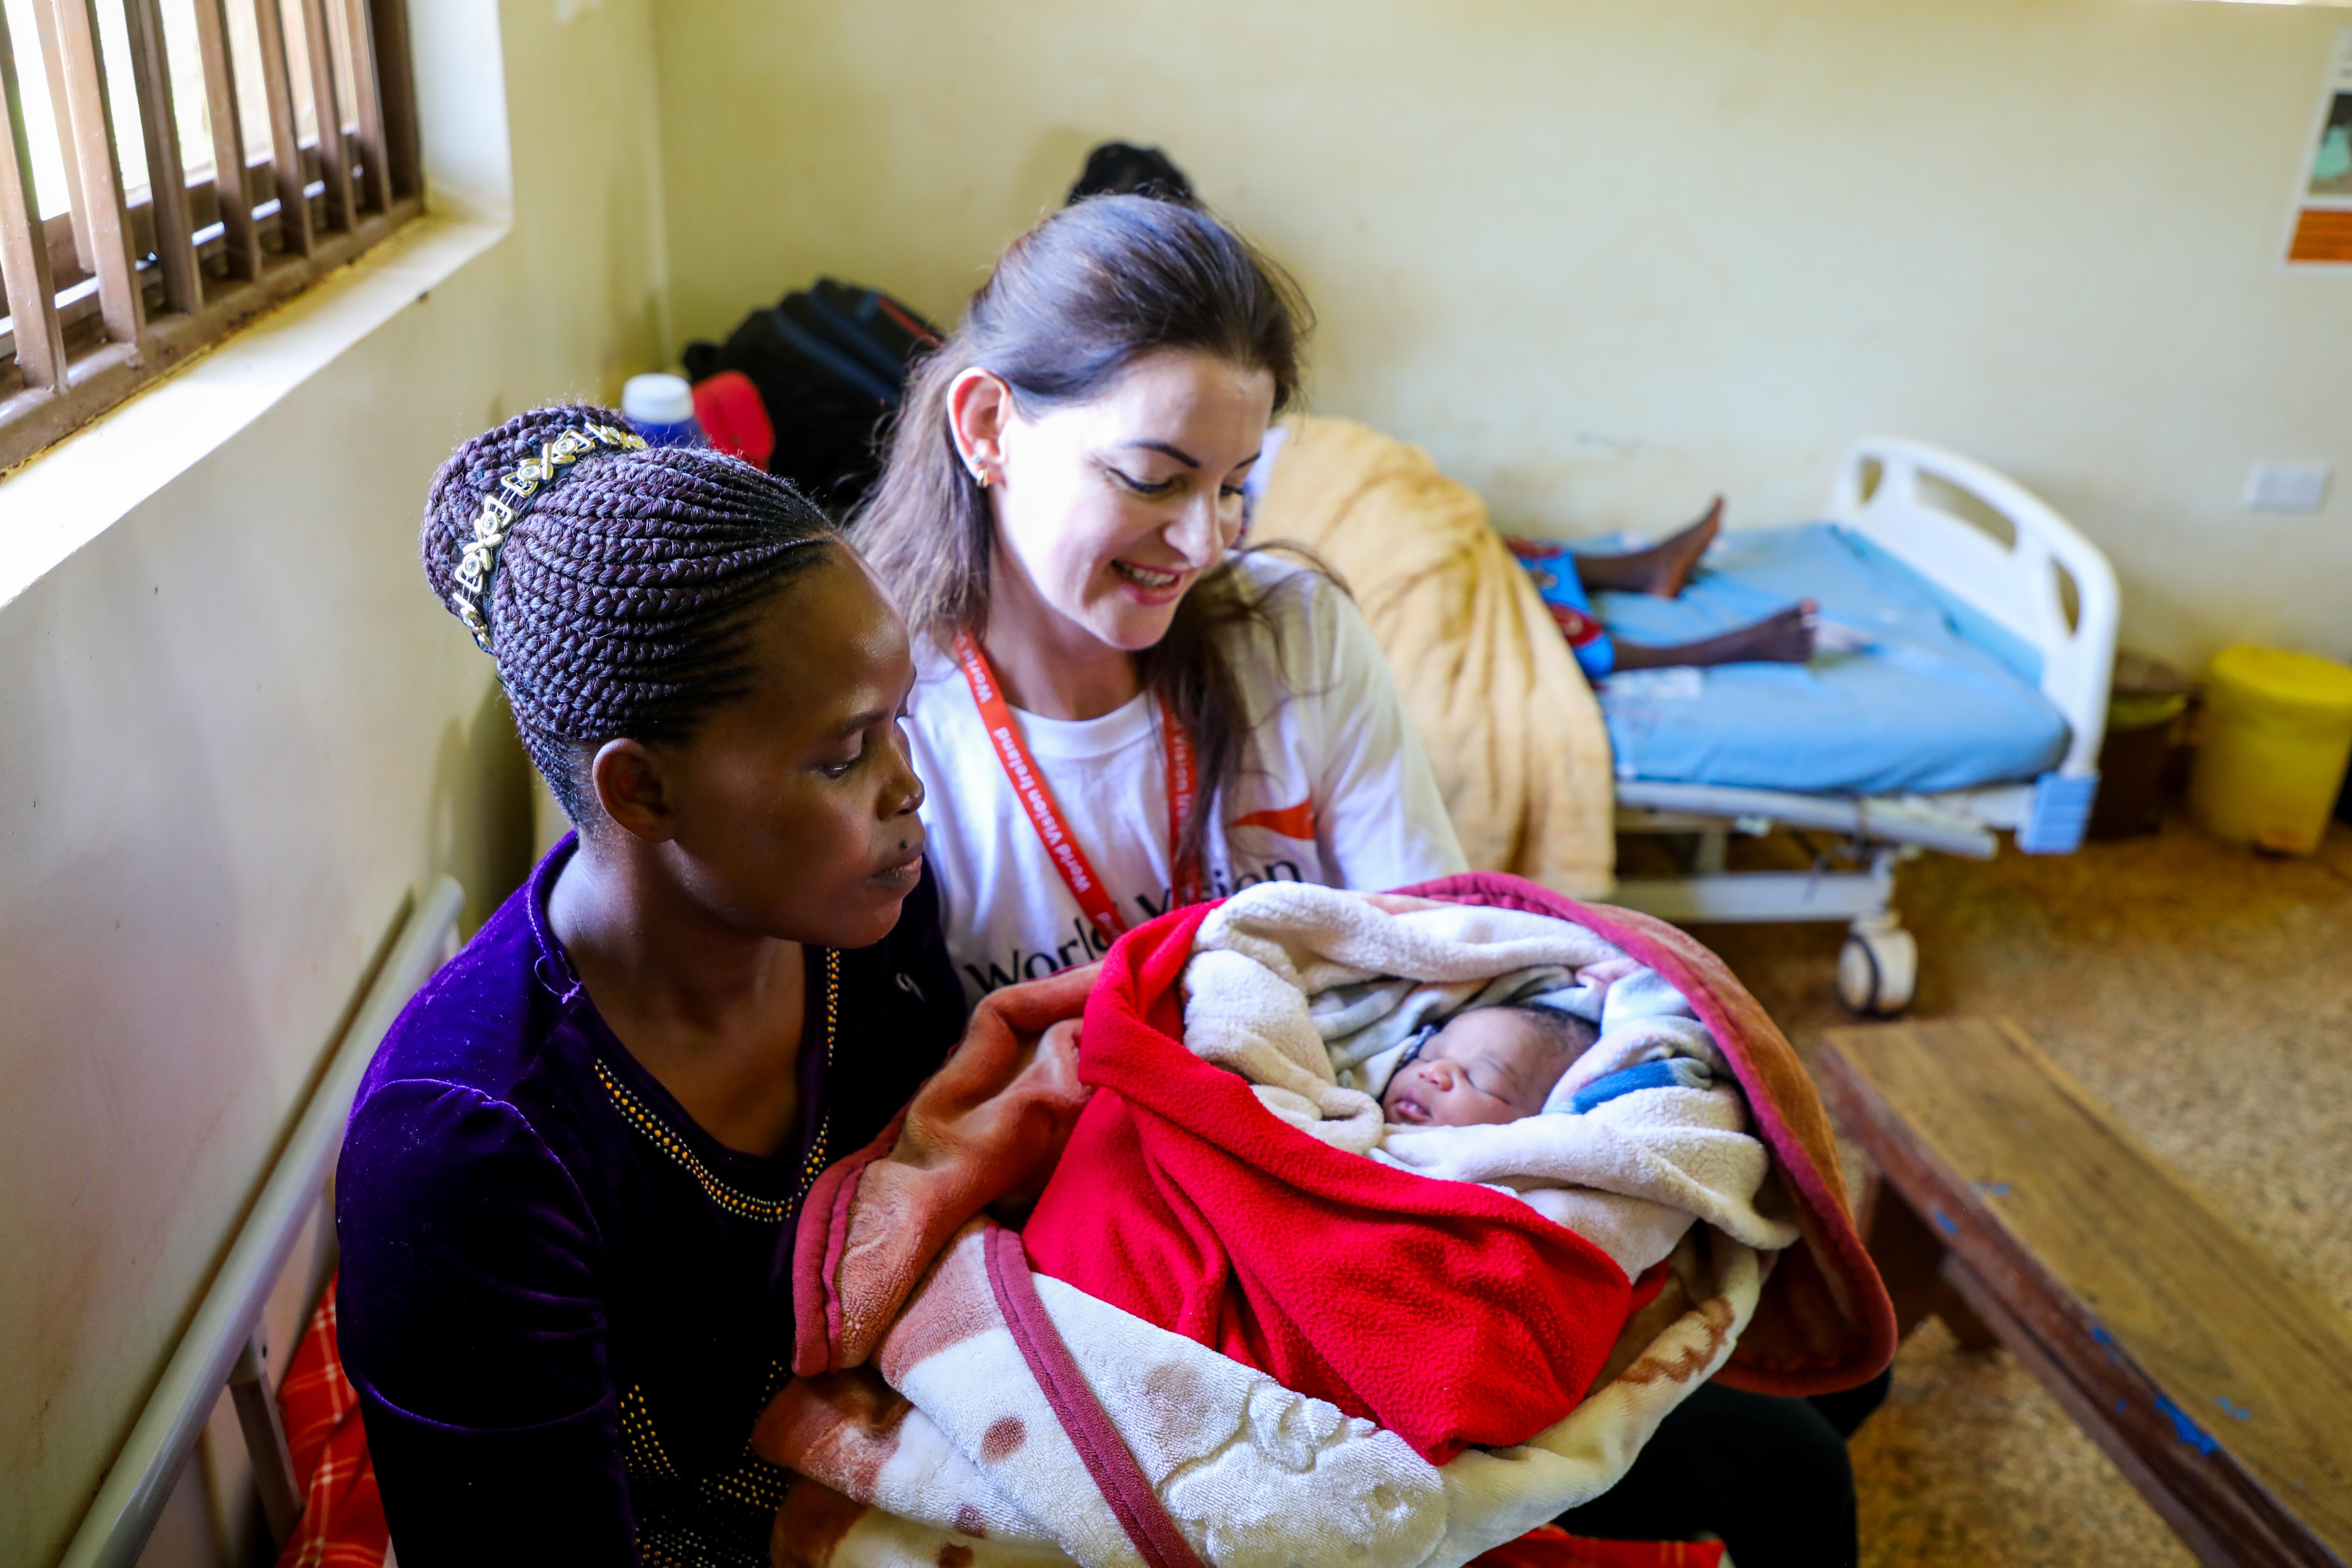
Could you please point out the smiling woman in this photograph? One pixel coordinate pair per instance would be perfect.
(566, 1201)
(1120, 710)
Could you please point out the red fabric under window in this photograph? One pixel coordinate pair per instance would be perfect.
(342, 1517)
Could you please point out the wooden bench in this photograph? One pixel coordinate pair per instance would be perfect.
(2008, 1202)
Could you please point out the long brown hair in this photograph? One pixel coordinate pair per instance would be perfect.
(1067, 309)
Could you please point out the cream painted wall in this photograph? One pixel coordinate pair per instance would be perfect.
(235, 726)
(1602, 260)
(1605, 259)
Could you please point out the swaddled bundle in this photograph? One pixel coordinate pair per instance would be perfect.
(1628, 1142)
(1220, 1295)
(1318, 998)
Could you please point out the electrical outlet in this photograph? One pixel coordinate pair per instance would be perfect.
(2286, 487)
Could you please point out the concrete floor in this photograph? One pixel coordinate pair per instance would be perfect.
(2205, 994)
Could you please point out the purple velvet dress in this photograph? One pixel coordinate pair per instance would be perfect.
(563, 1304)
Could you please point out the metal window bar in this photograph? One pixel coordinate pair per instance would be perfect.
(396, 95)
(110, 293)
(121, 300)
(277, 90)
(40, 345)
(327, 109)
(241, 246)
(45, 14)
(367, 105)
(174, 238)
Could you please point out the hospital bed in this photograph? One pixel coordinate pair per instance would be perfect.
(2024, 598)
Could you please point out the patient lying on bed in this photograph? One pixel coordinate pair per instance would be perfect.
(1565, 579)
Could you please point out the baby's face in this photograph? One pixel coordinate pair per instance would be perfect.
(1488, 1065)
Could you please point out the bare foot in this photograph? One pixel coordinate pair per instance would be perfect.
(1783, 637)
(1661, 569)
(1672, 560)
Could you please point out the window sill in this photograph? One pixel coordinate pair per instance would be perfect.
(73, 492)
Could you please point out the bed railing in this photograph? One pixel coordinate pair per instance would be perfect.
(2016, 586)
(217, 1351)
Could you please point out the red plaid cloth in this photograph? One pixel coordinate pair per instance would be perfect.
(1549, 1546)
(342, 1517)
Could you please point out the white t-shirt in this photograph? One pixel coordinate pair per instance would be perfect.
(1335, 789)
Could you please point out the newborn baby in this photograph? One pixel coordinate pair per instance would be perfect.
(1487, 1065)
(1515, 1051)
(1501, 1062)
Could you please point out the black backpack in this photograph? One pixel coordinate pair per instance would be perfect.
(830, 364)
(1122, 168)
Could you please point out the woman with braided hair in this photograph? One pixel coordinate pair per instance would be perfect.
(1119, 709)
(567, 1196)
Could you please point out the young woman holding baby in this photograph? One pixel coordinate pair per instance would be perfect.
(1118, 708)
(566, 1201)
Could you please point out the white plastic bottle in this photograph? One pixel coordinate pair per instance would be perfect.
(661, 408)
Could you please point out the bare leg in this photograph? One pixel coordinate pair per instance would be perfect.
(1661, 569)
(1783, 638)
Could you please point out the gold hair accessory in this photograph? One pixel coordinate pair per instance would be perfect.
(479, 559)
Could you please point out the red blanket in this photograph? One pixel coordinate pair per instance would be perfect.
(1450, 1314)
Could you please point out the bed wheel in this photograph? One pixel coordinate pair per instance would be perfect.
(1879, 971)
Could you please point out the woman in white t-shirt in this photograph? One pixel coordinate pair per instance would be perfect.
(1117, 710)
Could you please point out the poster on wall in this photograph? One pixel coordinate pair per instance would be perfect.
(2323, 219)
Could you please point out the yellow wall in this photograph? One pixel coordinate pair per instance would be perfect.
(1606, 259)
(236, 726)
(1601, 258)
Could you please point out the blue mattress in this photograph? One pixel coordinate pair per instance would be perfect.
(1940, 698)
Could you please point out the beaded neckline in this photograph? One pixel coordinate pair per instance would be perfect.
(650, 1125)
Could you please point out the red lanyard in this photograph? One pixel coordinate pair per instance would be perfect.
(1037, 797)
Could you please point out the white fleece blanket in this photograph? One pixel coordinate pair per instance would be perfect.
(966, 1464)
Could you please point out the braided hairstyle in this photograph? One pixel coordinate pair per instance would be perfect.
(620, 603)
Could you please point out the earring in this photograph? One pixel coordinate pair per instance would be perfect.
(980, 476)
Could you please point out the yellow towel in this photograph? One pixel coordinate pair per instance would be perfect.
(1520, 750)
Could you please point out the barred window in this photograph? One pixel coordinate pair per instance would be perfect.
(175, 167)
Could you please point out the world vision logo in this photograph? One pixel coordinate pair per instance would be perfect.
(1083, 944)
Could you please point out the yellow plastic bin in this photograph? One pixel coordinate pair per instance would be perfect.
(2278, 732)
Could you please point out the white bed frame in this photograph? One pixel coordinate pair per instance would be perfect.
(2022, 586)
